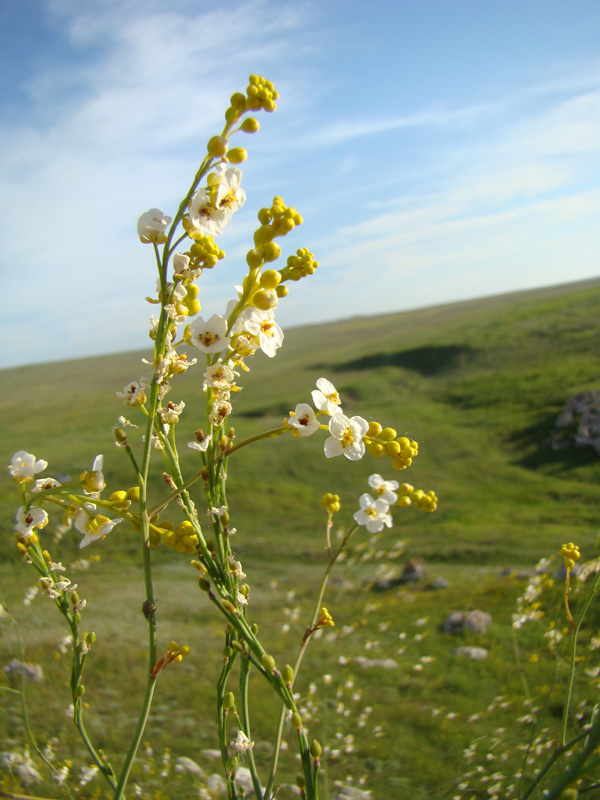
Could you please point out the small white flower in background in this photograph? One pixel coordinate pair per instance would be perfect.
(209, 337)
(211, 209)
(23, 466)
(93, 528)
(304, 420)
(22, 766)
(385, 489)
(326, 398)
(242, 599)
(92, 482)
(151, 226)
(242, 743)
(29, 519)
(87, 774)
(346, 437)
(262, 325)
(30, 594)
(373, 514)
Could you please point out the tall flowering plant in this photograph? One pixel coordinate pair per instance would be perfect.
(183, 247)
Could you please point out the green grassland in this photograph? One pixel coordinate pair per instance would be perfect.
(479, 385)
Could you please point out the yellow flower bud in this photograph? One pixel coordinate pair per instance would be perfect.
(270, 279)
(271, 251)
(237, 155)
(265, 299)
(250, 125)
(374, 428)
(387, 434)
(254, 259)
(392, 448)
(217, 146)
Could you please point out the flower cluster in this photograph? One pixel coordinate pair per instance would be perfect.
(374, 512)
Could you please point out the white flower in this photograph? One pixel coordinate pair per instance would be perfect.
(373, 514)
(93, 482)
(151, 226)
(385, 489)
(203, 445)
(211, 336)
(262, 325)
(220, 410)
(346, 437)
(216, 512)
(133, 394)
(42, 484)
(220, 378)
(211, 209)
(93, 528)
(304, 420)
(23, 466)
(326, 398)
(29, 519)
(242, 743)
(169, 414)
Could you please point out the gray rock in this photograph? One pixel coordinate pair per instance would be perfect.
(475, 621)
(216, 785)
(185, 764)
(440, 583)
(478, 621)
(476, 653)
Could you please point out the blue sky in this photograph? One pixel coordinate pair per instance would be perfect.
(437, 149)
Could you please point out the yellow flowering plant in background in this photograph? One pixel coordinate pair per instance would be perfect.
(183, 247)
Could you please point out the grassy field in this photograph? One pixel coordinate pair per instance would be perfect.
(479, 384)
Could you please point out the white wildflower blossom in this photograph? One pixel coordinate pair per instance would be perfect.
(169, 414)
(386, 490)
(151, 226)
(303, 420)
(242, 743)
(202, 441)
(262, 325)
(346, 437)
(373, 514)
(211, 208)
(93, 528)
(208, 336)
(43, 484)
(28, 519)
(24, 466)
(326, 397)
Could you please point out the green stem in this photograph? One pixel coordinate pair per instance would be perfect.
(222, 723)
(333, 557)
(574, 637)
(245, 717)
(137, 737)
(575, 765)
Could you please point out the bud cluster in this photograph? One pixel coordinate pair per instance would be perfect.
(385, 441)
